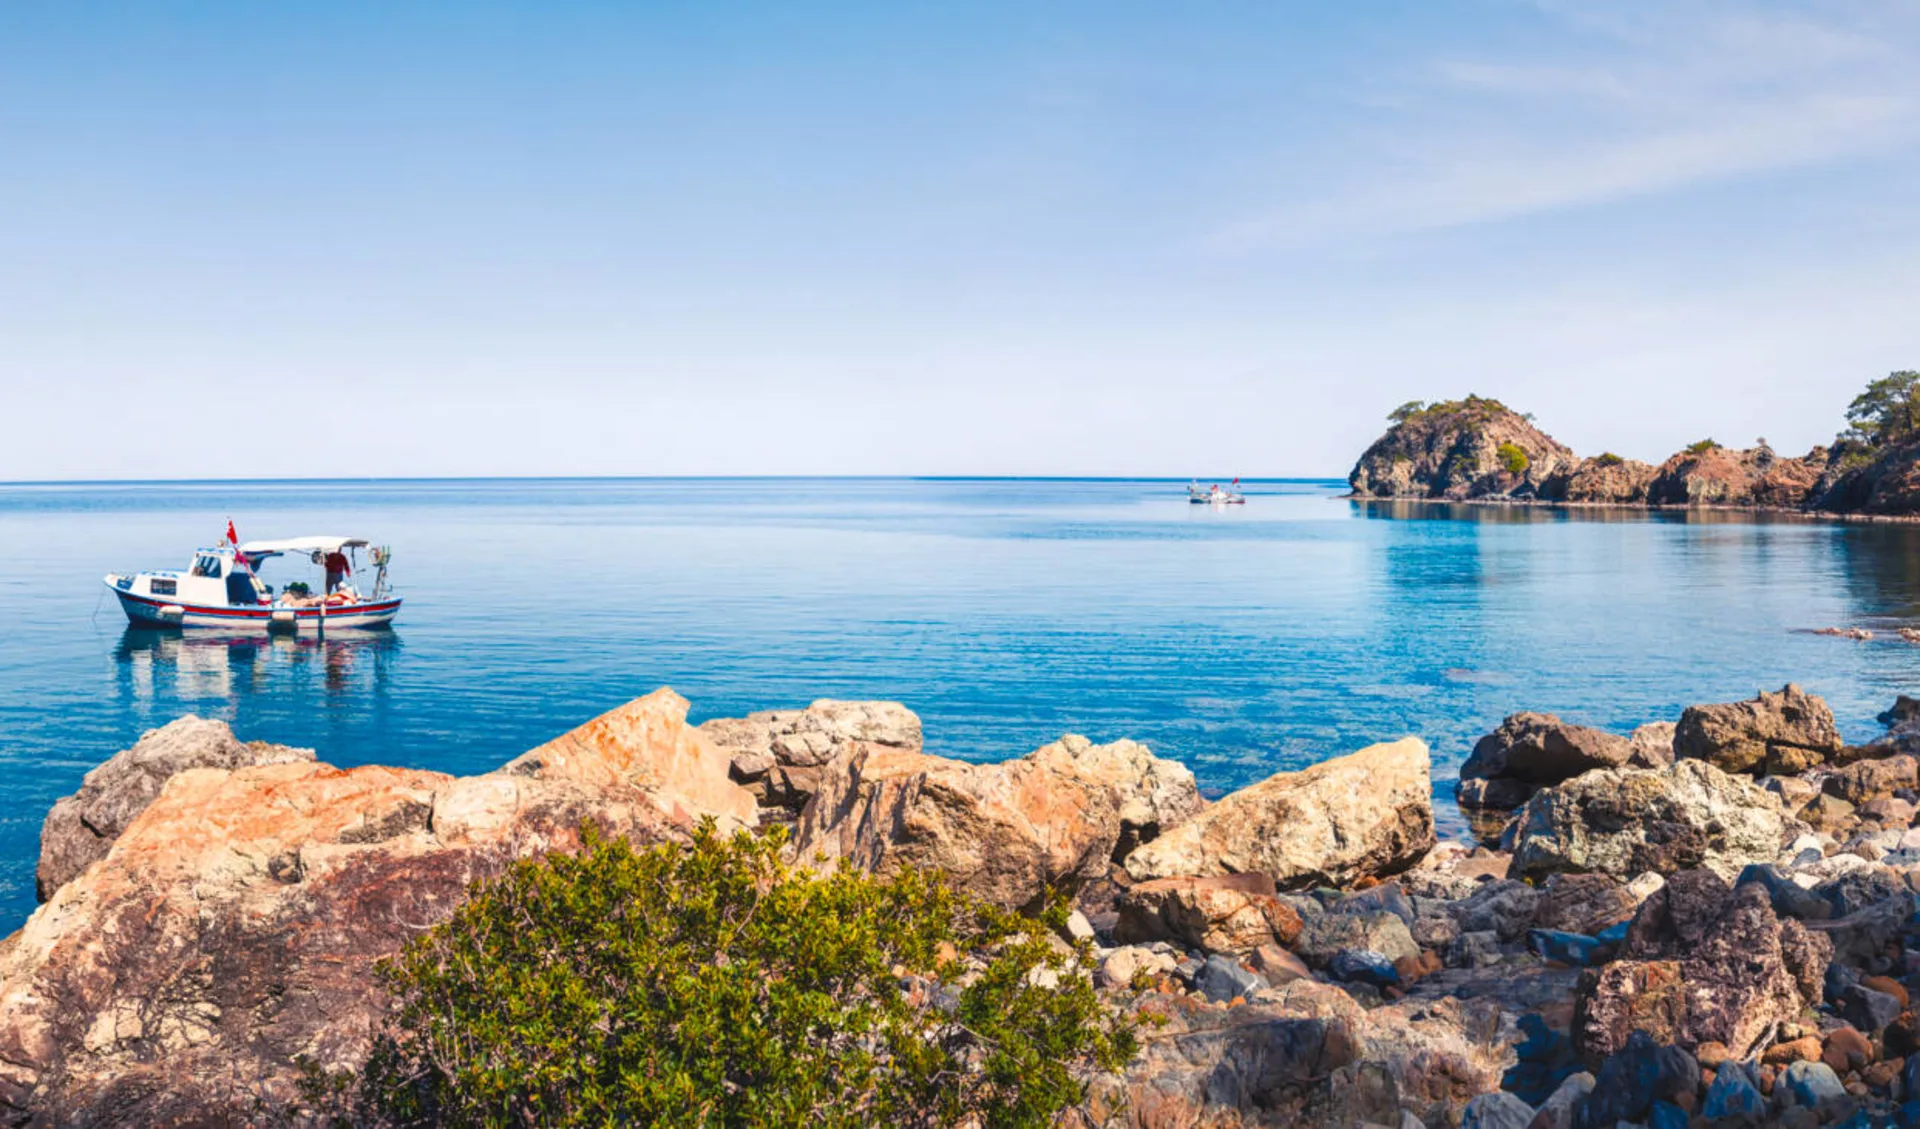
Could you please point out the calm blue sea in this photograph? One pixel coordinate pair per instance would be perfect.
(1006, 612)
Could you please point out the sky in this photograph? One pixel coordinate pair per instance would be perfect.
(1113, 238)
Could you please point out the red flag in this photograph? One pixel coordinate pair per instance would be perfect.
(232, 537)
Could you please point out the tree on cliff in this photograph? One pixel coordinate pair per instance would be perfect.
(711, 984)
(1889, 410)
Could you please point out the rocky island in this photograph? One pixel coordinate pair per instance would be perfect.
(1708, 923)
(1479, 450)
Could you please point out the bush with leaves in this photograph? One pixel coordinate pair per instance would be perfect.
(1888, 411)
(1702, 447)
(1512, 457)
(710, 984)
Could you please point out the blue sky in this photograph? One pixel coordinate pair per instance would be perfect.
(1046, 238)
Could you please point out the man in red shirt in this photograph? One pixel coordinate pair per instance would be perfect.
(337, 570)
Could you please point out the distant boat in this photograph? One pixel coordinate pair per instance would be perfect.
(220, 588)
(1215, 496)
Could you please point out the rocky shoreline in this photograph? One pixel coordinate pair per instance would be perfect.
(1480, 451)
(1709, 922)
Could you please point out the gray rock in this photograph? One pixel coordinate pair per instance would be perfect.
(1868, 1010)
(1332, 933)
(1504, 907)
(1498, 1110)
(1222, 978)
(1813, 1083)
(778, 754)
(81, 827)
(1625, 821)
(1475, 950)
(1384, 898)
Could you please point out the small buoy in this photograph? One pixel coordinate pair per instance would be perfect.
(173, 611)
(283, 619)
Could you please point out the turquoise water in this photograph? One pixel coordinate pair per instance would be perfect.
(1005, 612)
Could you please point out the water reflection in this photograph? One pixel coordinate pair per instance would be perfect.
(1881, 564)
(191, 667)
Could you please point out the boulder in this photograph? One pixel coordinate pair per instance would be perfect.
(235, 924)
(1363, 815)
(1328, 935)
(1006, 832)
(1540, 749)
(1776, 734)
(1625, 821)
(1703, 965)
(647, 744)
(81, 827)
(1877, 779)
(778, 754)
(1582, 903)
(1228, 913)
(1652, 745)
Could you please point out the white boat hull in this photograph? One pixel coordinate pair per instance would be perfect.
(157, 611)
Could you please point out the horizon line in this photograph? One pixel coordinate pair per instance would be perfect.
(1304, 479)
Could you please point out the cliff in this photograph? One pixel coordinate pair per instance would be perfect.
(1471, 448)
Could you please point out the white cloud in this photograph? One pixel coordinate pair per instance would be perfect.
(1642, 101)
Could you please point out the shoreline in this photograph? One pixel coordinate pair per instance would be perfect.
(1809, 516)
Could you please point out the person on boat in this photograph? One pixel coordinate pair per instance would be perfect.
(337, 570)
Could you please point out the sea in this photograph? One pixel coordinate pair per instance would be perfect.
(1242, 640)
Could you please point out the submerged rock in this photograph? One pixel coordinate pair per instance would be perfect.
(81, 827)
(1363, 815)
(1624, 822)
(234, 925)
(1777, 734)
(1005, 832)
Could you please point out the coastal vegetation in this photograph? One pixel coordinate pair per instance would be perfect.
(1888, 411)
(1512, 457)
(712, 984)
(1702, 446)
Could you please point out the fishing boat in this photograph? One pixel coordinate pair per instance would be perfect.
(1215, 496)
(221, 587)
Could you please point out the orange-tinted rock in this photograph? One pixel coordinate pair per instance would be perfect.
(1225, 913)
(1846, 1049)
(1805, 1049)
(1888, 985)
(1366, 813)
(1005, 832)
(235, 923)
(647, 744)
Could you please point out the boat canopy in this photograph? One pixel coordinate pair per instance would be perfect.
(303, 545)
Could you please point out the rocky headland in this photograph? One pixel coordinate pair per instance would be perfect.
(1480, 450)
(1710, 922)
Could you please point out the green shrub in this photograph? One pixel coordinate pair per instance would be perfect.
(712, 985)
(1607, 458)
(1476, 406)
(1702, 447)
(1512, 457)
